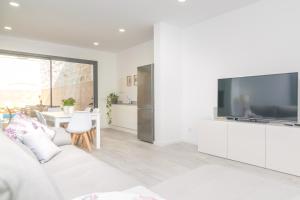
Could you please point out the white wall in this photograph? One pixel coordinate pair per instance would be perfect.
(168, 84)
(262, 38)
(107, 78)
(127, 63)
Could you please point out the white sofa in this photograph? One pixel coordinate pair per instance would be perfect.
(69, 174)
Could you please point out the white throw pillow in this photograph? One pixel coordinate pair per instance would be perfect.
(40, 145)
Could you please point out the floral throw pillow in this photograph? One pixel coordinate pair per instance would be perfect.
(22, 124)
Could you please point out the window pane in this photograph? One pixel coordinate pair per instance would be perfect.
(23, 81)
(72, 80)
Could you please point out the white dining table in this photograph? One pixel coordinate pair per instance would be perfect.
(60, 117)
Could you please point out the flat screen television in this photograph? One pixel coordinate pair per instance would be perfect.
(268, 97)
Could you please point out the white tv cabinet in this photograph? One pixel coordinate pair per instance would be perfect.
(272, 146)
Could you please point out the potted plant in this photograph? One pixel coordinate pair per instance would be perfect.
(112, 98)
(68, 105)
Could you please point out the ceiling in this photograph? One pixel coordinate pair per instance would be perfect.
(82, 22)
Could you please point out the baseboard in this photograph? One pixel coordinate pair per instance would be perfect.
(190, 141)
(167, 142)
(127, 130)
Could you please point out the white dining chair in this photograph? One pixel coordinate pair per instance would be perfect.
(80, 126)
(61, 133)
(92, 133)
(41, 118)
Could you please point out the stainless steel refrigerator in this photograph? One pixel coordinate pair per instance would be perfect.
(145, 102)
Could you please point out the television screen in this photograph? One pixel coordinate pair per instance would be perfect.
(259, 97)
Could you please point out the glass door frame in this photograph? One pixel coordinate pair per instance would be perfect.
(59, 58)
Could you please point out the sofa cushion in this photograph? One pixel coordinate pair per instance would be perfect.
(77, 173)
(21, 177)
(61, 136)
(40, 145)
(136, 193)
(26, 150)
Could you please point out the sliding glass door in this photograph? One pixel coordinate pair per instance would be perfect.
(22, 81)
(74, 80)
(30, 82)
